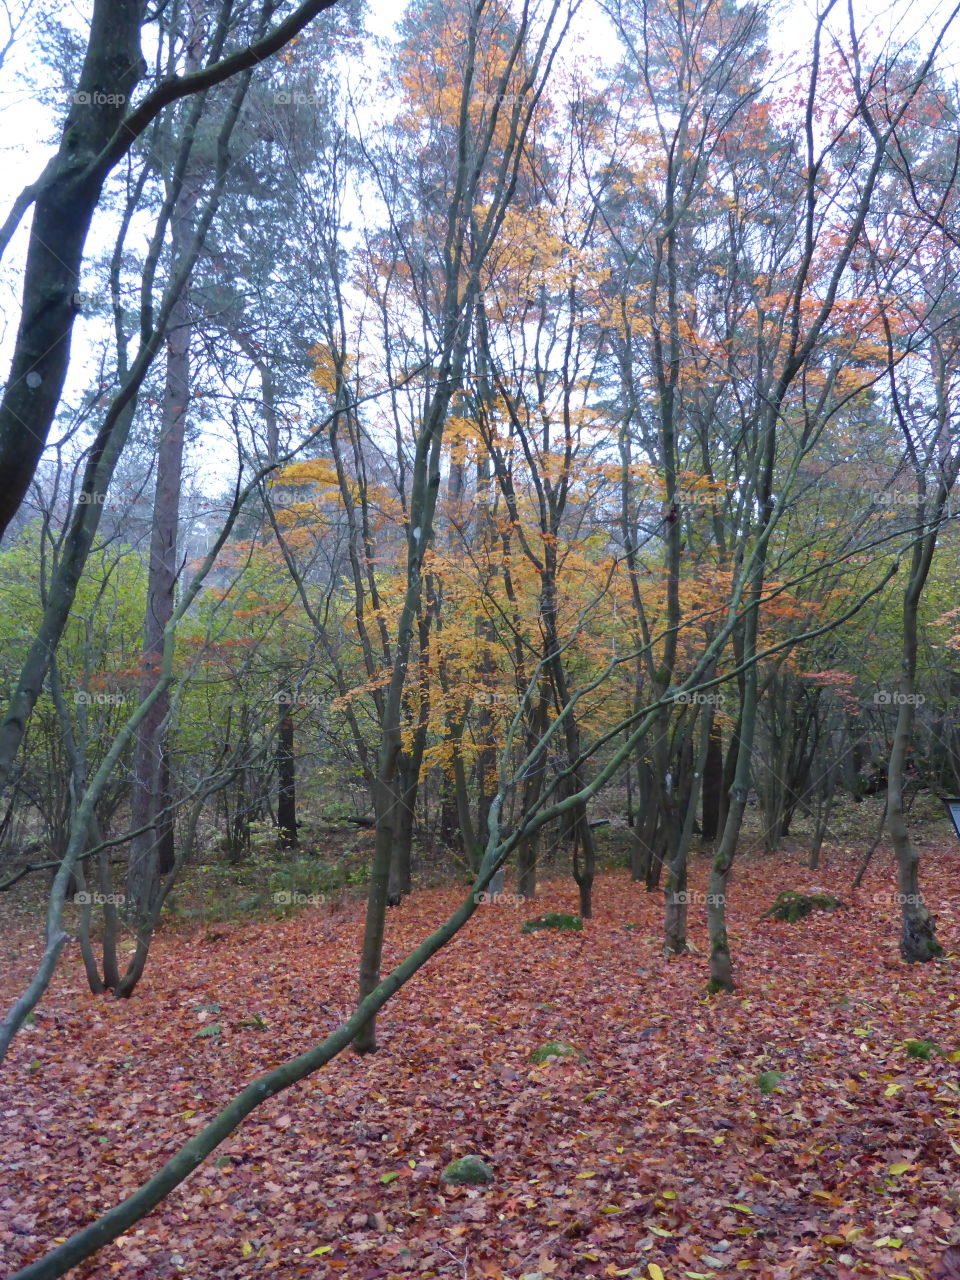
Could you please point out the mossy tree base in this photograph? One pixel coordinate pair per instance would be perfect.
(918, 944)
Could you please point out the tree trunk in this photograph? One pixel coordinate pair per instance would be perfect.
(63, 210)
(918, 942)
(721, 967)
(584, 869)
(675, 892)
(712, 784)
(287, 781)
(152, 851)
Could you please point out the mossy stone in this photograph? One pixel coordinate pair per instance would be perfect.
(555, 1049)
(468, 1171)
(552, 920)
(792, 906)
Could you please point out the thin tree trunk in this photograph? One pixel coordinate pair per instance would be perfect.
(287, 780)
(675, 892)
(712, 783)
(865, 860)
(152, 851)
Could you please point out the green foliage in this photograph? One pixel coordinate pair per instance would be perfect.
(922, 1049)
(767, 1081)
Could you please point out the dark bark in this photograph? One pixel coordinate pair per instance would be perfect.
(286, 781)
(712, 784)
(68, 195)
(96, 135)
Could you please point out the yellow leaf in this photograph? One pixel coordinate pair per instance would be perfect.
(654, 1271)
(897, 1169)
(323, 1248)
(246, 1248)
(891, 1089)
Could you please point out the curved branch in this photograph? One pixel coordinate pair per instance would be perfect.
(177, 87)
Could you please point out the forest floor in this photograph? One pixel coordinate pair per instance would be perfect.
(657, 1154)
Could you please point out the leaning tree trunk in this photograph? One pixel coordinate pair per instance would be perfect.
(69, 193)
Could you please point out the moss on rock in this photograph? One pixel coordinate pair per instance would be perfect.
(792, 906)
(552, 920)
(468, 1171)
(555, 1049)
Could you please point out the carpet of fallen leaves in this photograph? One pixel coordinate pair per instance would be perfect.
(657, 1155)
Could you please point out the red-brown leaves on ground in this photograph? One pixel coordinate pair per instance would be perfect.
(656, 1154)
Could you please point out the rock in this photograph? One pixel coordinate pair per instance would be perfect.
(555, 1049)
(468, 1171)
(552, 920)
(791, 906)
